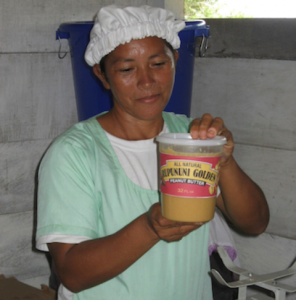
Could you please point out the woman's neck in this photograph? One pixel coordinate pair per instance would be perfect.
(129, 128)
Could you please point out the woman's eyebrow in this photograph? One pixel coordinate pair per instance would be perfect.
(155, 55)
(162, 52)
(121, 59)
(124, 59)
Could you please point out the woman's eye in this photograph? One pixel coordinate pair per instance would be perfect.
(125, 70)
(159, 64)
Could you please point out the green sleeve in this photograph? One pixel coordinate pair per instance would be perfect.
(67, 202)
(177, 123)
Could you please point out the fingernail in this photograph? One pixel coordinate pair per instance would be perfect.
(194, 135)
(211, 131)
(203, 135)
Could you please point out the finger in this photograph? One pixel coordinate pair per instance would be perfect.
(216, 128)
(199, 127)
(228, 135)
(228, 148)
(175, 237)
(186, 224)
(204, 126)
(171, 224)
(194, 128)
(178, 232)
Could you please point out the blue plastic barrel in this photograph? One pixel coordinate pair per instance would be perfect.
(91, 96)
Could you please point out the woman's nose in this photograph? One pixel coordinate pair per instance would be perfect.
(146, 79)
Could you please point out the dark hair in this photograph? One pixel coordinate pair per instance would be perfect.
(169, 46)
(103, 60)
(102, 63)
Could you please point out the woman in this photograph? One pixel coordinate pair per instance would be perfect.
(98, 202)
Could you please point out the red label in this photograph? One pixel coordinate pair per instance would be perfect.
(189, 176)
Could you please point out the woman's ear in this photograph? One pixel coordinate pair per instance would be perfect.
(102, 76)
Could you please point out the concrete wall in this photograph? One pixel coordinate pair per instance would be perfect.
(176, 6)
(37, 103)
(256, 99)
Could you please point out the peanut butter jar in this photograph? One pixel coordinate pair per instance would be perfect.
(189, 176)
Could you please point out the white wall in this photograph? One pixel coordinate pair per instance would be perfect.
(176, 6)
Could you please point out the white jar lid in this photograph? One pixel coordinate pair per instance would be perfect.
(186, 139)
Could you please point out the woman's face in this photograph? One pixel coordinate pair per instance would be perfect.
(141, 76)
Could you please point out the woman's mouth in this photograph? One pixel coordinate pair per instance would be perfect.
(149, 99)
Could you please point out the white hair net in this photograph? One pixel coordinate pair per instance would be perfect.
(115, 25)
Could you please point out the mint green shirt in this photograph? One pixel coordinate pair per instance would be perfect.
(84, 191)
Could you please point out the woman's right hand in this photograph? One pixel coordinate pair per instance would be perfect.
(166, 229)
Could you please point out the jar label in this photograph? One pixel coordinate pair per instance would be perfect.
(194, 176)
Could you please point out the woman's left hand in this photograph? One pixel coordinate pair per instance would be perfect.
(243, 202)
(209, 127)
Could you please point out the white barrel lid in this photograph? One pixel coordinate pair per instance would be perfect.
(186, 139)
